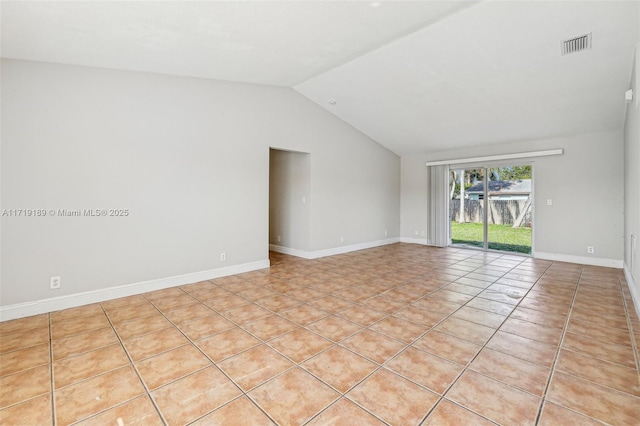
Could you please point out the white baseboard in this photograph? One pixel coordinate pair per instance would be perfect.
(582, 260)
(422, 241)
(332, 251)
(20, 310)
(633, 289)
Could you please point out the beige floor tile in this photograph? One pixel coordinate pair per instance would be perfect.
(374, 346)
(393, 398)
(547, 319)
(433, 304)
(172, 365)
(84, 366)
(246, 313)
(425, 369)
(553, 415)
(167, 292)
(619, 354)
(451, 296)
(140, 326)
(293, 397)
(205, 326)
(593, 400)
(154, 343)
(331, 304)
(227, 343)
(303, 314)
(305, 294)
(473, 282)
(139, 411)
(84, 342)
(241, 410)
(204, 390)
(62, 329)
(494, 400)
(463, 288)
(36, 411)
(80, 311)
(600, 332)
(345, 413)
(169, 303)
(449, 414)
(474, 333)
(395, 294)
(253, 293)
(339, 367)
(334, 328)
(419, 316)
(354, 294)
(189, 313)
(361, 315)
(299, 345)
(614, 321)
(537, 332)
(604, 373)
(269, 327)
(479, 316)
(277, 303)
(255, 366)
(24, 359)
(513, 371)
(399, 329)
(448, 347)
(523, 348)
(83, 399)
(226, 303)
(24, 385)
(24, 324)
(383, 304)
(491, 306)
(140, 310)
(124, 302)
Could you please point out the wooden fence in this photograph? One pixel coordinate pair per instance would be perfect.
(501, 212)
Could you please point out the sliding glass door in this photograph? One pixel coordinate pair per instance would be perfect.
(491, 208)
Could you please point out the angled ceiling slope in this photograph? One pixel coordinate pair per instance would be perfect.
(413, 75)
(492, 73)
(265, 42)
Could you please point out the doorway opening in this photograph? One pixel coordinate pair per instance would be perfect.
(491, 208)
(289, 204)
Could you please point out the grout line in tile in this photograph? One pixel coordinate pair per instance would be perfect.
(630, 326)
(135, 369)
(52, 395)
(559, 349)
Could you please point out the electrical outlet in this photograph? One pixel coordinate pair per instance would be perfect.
(590, 250)
(54, 283)
(417, 233)
(549, 202)
(342, 239)
(223, 257)
(422, 233)
(386, 233)
(279, 239)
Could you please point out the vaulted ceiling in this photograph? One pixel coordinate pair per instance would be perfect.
(412, 75)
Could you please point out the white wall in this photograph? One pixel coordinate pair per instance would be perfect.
(188, 157)
(632, 189)
(289, 188)
(585, 184)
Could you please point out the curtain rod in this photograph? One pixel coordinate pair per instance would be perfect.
(498, 157)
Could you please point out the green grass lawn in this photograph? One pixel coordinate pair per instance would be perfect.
(501, 237)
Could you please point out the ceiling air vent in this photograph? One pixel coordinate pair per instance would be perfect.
(576, 44)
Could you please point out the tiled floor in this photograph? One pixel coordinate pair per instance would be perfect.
(401, 334)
